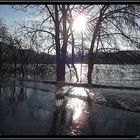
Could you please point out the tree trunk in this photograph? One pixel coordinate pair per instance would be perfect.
(82, 57)
(73, 55)
(90, 67)
(95, 33)
(57, 41)
(64, 47)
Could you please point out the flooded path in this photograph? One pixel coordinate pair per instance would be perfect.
(31, 108)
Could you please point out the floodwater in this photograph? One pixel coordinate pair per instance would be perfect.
(34, 108)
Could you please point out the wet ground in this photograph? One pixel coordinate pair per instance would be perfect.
(31, 108)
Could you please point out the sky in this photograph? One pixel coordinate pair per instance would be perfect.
(10, 16)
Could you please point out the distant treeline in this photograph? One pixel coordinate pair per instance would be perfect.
(120, 57)
(10, 54)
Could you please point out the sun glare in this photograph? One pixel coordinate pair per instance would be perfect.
(79, 23)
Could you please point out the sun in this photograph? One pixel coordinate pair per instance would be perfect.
(79, 23)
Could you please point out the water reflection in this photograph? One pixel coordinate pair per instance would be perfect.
(25, 112)
(77, 106)
(17, 94)
(70, 114)
(14, 94)
(67, 111)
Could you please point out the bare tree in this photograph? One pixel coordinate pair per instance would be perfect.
(57, 30)
(109, 26)
(6, 48)
(113, 22)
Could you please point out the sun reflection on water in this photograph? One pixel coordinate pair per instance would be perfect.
(77, 114)
(77, 106)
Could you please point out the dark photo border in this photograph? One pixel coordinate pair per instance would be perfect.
(30, 137)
